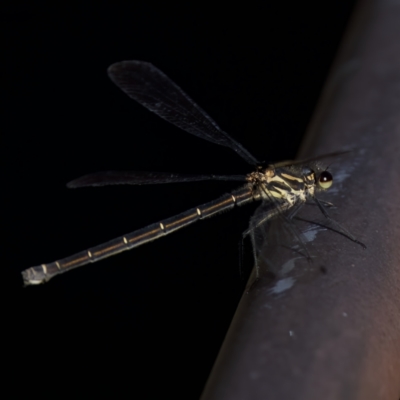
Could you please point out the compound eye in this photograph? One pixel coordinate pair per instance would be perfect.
(325, 180)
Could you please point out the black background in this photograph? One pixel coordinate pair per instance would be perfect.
(150, 321)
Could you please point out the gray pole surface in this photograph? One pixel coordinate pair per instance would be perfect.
(330, 329)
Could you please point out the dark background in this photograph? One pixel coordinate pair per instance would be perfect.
(150, 321)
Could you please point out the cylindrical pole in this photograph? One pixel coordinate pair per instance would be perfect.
(334, 333)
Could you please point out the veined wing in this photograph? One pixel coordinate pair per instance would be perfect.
(312, 160)
(144, 178)
(150, 87)
(272, 232)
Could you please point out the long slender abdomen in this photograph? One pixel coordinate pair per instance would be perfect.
(44, 272)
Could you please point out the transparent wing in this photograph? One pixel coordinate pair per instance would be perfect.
(144, 178)
(150, 87)
(313, 160)
(272, 231)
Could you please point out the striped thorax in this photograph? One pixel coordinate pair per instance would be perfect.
(288, 184)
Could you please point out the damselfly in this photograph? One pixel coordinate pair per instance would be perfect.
(282, 188)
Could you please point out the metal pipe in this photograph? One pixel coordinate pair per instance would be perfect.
(331, 329)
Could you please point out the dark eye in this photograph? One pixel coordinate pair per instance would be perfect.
(325, 180)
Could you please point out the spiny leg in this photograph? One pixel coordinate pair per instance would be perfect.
(340, 228)
(294, 209)
(325, 203)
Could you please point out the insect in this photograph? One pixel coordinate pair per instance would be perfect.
(282, 188)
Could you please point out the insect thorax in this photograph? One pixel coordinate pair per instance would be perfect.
(284, 184)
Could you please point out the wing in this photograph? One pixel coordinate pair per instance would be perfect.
(150, 87)
(310, 160)
(144, 178)
(273, 233)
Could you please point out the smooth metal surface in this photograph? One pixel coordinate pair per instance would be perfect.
(331, 330)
